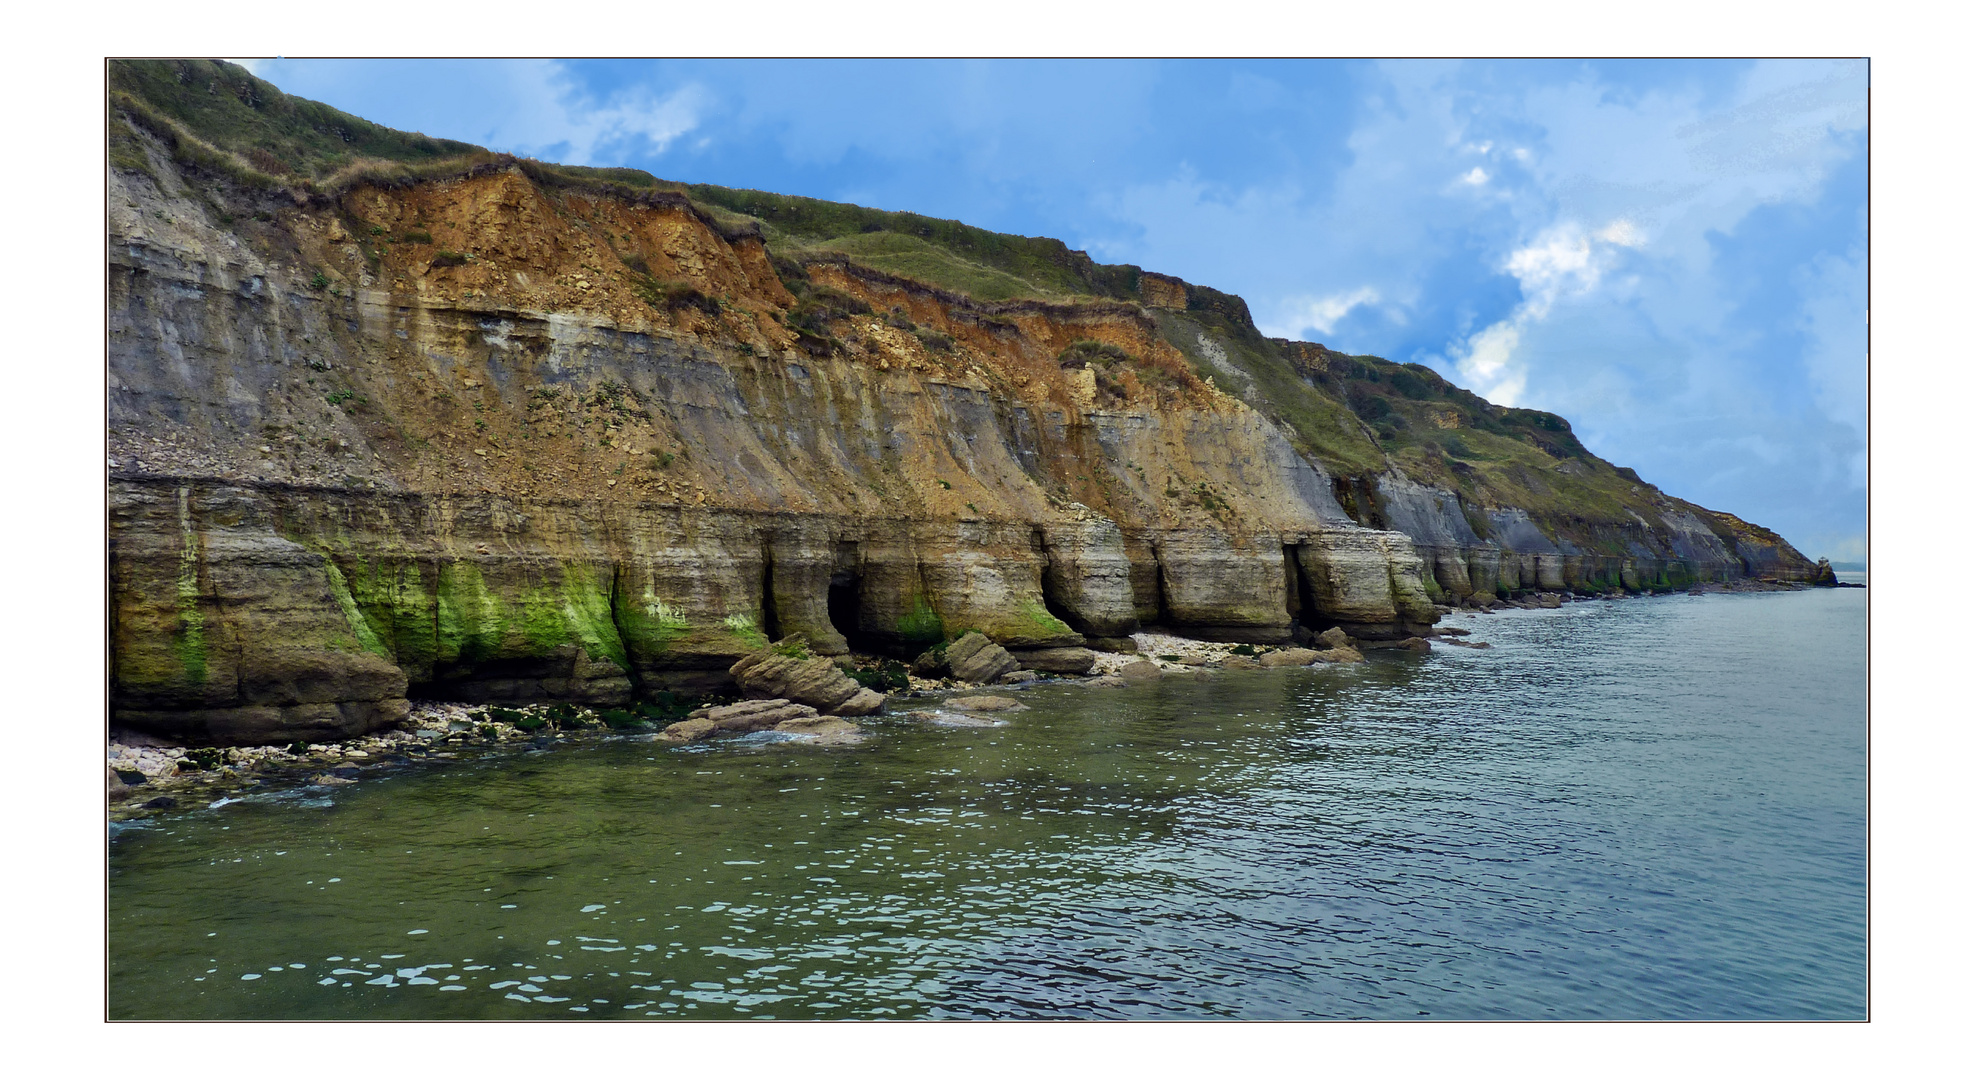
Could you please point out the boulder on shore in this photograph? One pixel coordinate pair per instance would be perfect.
(1334, 638)
(1070, 661)
(1343, 654)
(786, 670)
(741, 716)
(1140, 669)
(1290, 658)
(975, 659)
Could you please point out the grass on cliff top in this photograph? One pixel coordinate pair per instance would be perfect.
(277, 134)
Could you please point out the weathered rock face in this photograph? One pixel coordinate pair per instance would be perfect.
(452, 439)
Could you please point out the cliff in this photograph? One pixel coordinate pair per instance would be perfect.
(392, 417)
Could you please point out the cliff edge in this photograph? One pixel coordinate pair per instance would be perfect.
(393, 417)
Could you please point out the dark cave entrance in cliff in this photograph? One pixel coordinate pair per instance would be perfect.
(845, 588)
(845, 603)
(1300, 597)
(1053, 600)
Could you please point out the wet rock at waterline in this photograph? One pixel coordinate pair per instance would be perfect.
(785, 670)
(1290, 658)
(975, 659)
(1066, 661)
(984, 703)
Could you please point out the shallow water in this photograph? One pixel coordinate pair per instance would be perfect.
(1653, 808)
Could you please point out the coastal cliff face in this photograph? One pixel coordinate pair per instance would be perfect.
(510, 433)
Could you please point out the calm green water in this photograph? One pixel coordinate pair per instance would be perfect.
(1645, 809)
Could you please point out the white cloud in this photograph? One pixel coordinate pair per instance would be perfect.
(577, 129)
(1321, 314)
(1563, 262)
(1476, 176)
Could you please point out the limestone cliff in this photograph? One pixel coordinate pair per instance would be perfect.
(438, 422)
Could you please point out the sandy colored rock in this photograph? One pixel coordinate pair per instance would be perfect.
(1068, 661)
(1139, 669)
(1290, 658)
(975, 659)
(863, 703)
(1342, 655)
(1108, 680)
(1017, 677)
(984, 703)
(757, 715)
(814, 681)
(1241, 663)
(688, 730)
(1334, 638)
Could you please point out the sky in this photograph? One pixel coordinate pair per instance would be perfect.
(1669, 254)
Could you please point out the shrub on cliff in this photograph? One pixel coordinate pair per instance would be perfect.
(673, 295)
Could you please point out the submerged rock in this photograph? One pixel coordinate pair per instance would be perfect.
(1343, 654)
(985, 703)
(819, 726)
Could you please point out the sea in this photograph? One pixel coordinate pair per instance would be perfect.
(1642, 809)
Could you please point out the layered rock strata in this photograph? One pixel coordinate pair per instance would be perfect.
(489, 440)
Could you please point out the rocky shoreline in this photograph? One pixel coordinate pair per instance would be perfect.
(145, 775)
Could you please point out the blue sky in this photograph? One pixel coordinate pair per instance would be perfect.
(1669, 254)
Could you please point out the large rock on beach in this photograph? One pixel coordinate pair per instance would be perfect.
(742, 716)
(1290, 658)
(1071, 661)
(1140, 669)
(787, 670)
(976, 659)
(1334, 638)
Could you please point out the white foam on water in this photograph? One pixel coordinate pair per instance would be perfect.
(587, 908)
(326, 980)
(518, 997)
(250, 976)
(298, 967)
(505, 907)
(410, 933)
(334, 880)
(452, 988)
(422, 981)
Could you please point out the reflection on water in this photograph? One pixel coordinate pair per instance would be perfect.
(1653, 808)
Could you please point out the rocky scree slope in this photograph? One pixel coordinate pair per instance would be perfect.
(391, 417)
